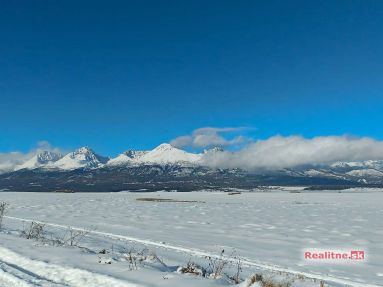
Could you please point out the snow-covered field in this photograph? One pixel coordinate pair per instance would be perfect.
(267, 230)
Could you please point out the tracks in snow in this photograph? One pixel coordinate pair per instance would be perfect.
(9, 280)
(19, 271)
(200, 253)
(18, 276)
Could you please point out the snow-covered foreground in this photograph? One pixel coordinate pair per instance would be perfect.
(18, 270)
(268, 230)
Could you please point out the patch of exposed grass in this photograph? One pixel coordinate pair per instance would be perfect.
(266, 282)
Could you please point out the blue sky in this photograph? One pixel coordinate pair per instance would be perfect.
(132, 74)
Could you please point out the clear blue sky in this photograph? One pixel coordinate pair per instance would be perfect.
(132, 74)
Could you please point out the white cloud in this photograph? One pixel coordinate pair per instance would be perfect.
(46, 146)
(209, 136)
(8, 161)
(283, 152)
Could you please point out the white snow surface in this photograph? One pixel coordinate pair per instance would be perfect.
(29, 272)
(268, 230)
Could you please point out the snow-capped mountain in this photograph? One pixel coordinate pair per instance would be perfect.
(86, 158)
(170, 162)
(82, 158)
(135, 154)
(162, 154)
(169, 168)
(368, 172)
(372, 164)
(41, 159)
(128, 157)
(168, 154)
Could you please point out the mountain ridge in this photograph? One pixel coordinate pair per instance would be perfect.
(167, 166)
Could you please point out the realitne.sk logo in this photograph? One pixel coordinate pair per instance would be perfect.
(323, 255)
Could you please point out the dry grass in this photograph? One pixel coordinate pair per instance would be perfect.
(270, 283)
(253, 279)
(266, 282)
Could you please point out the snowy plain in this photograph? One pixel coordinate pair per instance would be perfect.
(267, 230)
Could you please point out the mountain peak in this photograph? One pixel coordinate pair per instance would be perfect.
(127, 157)
(134, 154)
(84, 150)
(164, 147)
(83, 157)
(167, 154)
(45, 156)
(48, 156)
(40, 159)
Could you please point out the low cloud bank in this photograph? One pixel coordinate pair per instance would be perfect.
(8, 161)
(209, 136)
(284, 152)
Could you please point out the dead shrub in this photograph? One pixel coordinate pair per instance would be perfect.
(3, 211)
(253, 279)
(154, 257)
(265, 282)
(236, 278)
(132, 259)
(192, 268)
(34, 231)
(73, 237)
(217, 265)
(135, 258)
